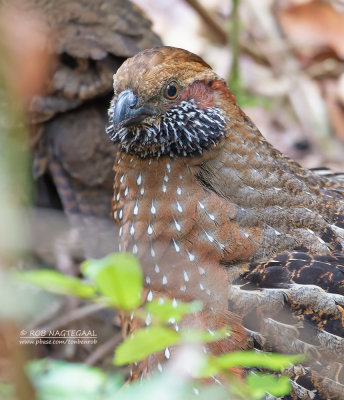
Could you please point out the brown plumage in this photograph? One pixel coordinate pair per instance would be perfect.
(73, 158)
(215, 213)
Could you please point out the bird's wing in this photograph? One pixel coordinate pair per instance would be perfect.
(294, 303)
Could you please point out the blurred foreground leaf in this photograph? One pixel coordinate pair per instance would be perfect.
(56, 282)
(166, 386)
(59, 380)
(199, 336)
(118, 277)
(260, 384)
(250, 359)
(7, 391)
(172, 310)
(146, 341)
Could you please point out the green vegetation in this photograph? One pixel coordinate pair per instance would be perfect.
(116, 281)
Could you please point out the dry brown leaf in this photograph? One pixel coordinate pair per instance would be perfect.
(316, 24)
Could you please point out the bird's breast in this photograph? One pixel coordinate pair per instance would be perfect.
(180, 232)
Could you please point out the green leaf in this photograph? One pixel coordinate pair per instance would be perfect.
(275, 362)
(165, 386)
(198, 336)
(149, 340)
(7, 391)
(118, 277)
(56, 282)
(57, 380)
(144, 342)
(172, 311)
(260, 384)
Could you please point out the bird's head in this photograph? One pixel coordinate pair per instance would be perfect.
(167, 101)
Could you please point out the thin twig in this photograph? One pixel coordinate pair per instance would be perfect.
(49, 314)
(103, 349)
(209, 20)
(74, 315)
(234, 76)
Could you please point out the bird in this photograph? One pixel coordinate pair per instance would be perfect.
(215, 213)
(72, 157)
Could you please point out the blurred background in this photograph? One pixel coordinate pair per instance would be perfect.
(283, 59)
(290, 61)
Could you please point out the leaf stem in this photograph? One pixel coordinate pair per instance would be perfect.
(234, 76)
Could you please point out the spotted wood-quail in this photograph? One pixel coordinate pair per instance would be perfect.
(215, 213)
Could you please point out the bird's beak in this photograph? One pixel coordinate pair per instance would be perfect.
(127, 113)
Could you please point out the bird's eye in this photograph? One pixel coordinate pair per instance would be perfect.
(171, 91)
